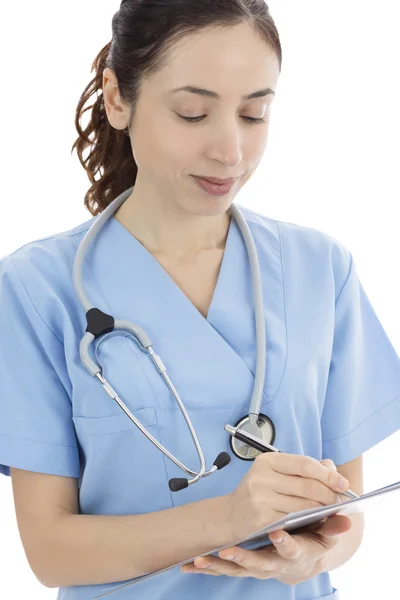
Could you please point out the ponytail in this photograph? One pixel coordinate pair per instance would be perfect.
(110, 149)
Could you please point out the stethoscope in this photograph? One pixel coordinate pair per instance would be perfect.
(100, 323)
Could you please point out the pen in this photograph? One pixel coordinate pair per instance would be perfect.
(254, 442)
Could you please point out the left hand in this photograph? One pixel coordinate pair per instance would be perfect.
(297, 558)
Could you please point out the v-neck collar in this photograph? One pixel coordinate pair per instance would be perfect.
(126, 281)
(116, 228)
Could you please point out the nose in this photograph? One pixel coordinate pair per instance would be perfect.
(225, 146)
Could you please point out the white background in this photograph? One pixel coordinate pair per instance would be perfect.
(331, 163)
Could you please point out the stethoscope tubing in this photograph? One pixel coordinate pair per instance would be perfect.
(145, 344)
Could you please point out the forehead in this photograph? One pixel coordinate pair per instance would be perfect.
(214, 58)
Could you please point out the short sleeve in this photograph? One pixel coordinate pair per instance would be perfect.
(36, 426)
(362, 402)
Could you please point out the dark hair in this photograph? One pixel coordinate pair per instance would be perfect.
(142, 33)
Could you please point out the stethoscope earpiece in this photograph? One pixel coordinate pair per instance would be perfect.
(176, 484)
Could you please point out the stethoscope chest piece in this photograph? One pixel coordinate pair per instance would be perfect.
(264, 430)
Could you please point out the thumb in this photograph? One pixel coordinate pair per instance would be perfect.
(335, 525)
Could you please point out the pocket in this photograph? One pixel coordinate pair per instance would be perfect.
(122, 471)
(114, 423)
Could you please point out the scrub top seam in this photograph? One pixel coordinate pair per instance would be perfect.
(17, 437)
(362, 422)
(32, 303)
(52, 236)
(198, 408)
(285, 309)
(347, 278)
(78, 232)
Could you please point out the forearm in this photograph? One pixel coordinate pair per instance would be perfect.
(95, 549)
(347, 545)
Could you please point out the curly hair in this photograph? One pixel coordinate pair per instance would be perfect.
(143, 31)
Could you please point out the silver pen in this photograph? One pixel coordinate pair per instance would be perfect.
(257, 444)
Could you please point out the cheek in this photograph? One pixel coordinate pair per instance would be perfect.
(181, 143)
(258, 143)
(154, 138)
(158, 152)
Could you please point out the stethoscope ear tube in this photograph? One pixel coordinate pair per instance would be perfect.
(222, 459)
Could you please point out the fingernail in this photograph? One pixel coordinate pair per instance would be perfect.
(278, 540)
(230, 557)
(343, 484)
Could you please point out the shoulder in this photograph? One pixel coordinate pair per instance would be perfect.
(46, 256)
(40, 271)
(307, 246)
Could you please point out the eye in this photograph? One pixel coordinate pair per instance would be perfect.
(200, 118)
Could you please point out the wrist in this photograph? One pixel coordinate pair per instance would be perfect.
(240, 523)
(229, 526)
(221, 516)
(237, 527)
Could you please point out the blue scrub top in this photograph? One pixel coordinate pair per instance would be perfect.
(332, 376)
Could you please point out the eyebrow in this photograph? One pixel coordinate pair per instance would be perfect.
(203, 92)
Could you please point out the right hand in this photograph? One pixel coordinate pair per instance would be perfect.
(278, 484)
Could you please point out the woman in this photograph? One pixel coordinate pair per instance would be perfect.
(92, 494)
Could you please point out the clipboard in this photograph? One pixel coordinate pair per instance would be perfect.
(293, 522)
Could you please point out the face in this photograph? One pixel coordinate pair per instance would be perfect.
(222, 141)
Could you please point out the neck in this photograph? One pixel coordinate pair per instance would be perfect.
(172, 233)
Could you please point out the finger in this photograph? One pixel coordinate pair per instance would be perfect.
(311, 490)
(335, 525)
(235, 552)
(327, 462)
(315, 527)
(220, 566)
(265, 559)
(331, 465)
(200, 565)
(301, 493)
(296, 496)
(289, 547)
(304, 466)
(184, 569)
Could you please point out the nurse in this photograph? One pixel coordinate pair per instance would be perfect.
(92, 493)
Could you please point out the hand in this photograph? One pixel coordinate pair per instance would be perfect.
(278, 484)
(297, 558)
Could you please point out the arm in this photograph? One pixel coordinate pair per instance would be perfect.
(65, 548)
(350, 541)
(93, 549)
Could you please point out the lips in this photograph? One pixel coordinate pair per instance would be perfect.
(214, 189)
(216, 180)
